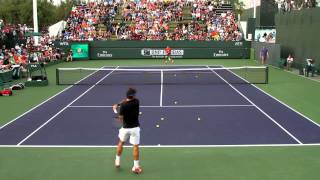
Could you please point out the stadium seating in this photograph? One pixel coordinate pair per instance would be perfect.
(152, 20)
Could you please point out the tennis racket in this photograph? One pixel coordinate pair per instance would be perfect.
(116, 120)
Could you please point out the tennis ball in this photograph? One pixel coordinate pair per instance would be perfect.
(162, 119)
(157, 125)
(175, 102)
(199, 119)
(140, 113)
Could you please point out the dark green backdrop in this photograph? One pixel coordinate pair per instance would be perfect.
(298, 34)
(155, 49)
(264, 13)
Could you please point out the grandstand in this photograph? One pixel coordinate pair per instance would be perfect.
(163, 20)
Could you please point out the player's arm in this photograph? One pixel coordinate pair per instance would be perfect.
(120, 117)
(115, 106)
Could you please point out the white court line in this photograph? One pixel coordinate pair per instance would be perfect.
(162, 146)
(44, 101)
(78, 82)
(307, 118)
(174, 106)
(161, 88)
(291, 72)
(291, 135)
(65, 108)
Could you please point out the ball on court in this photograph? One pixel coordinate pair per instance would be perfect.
(175, 74)
(197, 76)
(199, 118)
(162, 119)
(158, 144)
(157, 125)
(175, 102)
(140, 113)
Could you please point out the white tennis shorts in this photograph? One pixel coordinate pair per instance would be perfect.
(133, 133)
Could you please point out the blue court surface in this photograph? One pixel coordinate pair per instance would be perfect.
(187, 114)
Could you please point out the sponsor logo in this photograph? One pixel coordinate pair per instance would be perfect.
(158, 53)
(238, 43)
(33, 65)
(221, 53)
(104, 54)
(79, 51)
(64, 43)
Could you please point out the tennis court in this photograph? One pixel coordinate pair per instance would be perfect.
(180, 106)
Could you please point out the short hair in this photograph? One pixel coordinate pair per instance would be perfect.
(131, 93)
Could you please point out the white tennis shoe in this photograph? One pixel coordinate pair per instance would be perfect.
(137, 170)
(117, 163)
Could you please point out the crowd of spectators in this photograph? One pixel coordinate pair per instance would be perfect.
(81, 25)
(24, 51)
(290, 5)
(150, 20)
(218, 27)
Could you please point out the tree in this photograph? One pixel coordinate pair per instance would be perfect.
(20, 12)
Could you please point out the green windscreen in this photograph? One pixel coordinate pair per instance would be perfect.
(80, 51)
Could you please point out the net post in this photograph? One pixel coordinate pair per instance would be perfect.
(57, 77)
(267, 75)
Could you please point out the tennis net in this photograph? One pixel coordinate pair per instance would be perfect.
(168, 75)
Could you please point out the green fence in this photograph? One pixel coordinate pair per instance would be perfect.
(155, 49)
(298, 34)
(5, 76)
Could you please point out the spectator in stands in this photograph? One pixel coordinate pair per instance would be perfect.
(1, 58)
(264, 54)
(1, 24)
(70, 55)
(6, 62)
(289, 62)
(1, 55)
(289, 5)
(310, 67)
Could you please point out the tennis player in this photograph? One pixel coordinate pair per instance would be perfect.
(129, 115)
(168, 53)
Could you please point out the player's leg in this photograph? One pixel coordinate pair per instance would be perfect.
(123, 136)
(263, 60)
(119, 152)
(135, 140)
(136, 166)
(171, 60)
